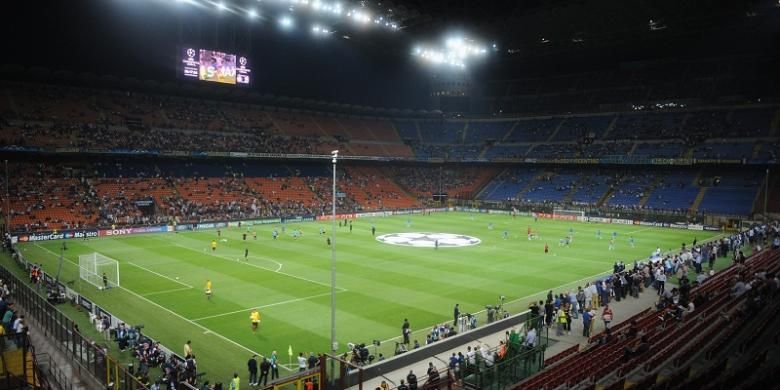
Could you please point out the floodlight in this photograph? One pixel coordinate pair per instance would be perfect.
(221, 6)
(252, 13)
(286, 22)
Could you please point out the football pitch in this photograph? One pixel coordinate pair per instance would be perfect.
(163, 277)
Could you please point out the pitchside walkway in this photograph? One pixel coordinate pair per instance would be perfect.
(622, 311)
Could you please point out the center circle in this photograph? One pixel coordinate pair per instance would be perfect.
(428, 240)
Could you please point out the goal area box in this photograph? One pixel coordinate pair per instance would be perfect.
(94, 266)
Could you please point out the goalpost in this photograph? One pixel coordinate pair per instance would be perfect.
(93, 266)
(568, 215)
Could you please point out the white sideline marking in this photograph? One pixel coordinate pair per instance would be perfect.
(160, 275)
(167, 291)
(427, 329)
(139, 296)
(232, 260)
(264, 306)
(609, 271)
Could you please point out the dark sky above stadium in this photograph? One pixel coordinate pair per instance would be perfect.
(139, 38)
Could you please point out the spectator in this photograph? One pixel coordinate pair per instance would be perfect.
(252, 368)
(606, 316)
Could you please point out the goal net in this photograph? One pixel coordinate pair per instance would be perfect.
(568, 215)
(94, 266)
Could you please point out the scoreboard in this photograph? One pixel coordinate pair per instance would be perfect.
(214, 66)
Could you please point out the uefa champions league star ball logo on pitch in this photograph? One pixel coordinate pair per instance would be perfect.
(428, 240)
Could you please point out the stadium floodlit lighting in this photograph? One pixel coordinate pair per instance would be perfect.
(286, 22)
(455, 51)
(252, 13)
(319, 30)
(221, 6)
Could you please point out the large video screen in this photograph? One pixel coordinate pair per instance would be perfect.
(215, 66)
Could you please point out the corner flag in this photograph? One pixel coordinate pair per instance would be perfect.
(289, 351)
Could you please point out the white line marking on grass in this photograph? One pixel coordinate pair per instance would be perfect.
(263, 306)
(141, 297)
(225, 257)
(166, 291)
(160, 275)
(609, 271)
(638, 231)
(427, 329)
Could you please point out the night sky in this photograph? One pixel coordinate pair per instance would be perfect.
(139, 38)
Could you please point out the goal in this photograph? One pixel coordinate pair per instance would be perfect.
(568, 215)
(93, 266)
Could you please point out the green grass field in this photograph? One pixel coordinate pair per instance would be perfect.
(163, 278)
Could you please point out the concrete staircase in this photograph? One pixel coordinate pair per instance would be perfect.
(463, 133)
(633, 148)
(646, 197)
(58, 367)
(529, 185)
(699, 198)
(509, 133)
(557, 129)
(574, 188)
(604, 198)
(775, 124)
(419, 132)
(610, 127)
(756, 150)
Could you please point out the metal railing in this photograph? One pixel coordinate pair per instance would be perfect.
(89, 357)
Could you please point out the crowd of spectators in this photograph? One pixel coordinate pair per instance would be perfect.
(52, 116)
(426, 181)
(13, 323)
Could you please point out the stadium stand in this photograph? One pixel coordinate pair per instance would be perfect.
(664, 340)
(509, 184)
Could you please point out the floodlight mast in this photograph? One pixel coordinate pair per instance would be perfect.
(333, 343)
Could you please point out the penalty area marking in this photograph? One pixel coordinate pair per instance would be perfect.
(264, 306)
(166, 291)
(173, 313)
(160, 275)
(224, 257)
